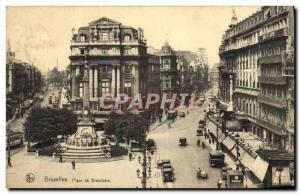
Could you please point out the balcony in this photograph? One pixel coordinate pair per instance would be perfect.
(273, 35)
(128, 76)
(280, 80)
(272, 101)
(101, 43)
(265, 60)
(272, 127)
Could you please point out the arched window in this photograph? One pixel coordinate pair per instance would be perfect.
(127, 37)
(82, 38)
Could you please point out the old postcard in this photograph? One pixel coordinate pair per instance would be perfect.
(150, 97)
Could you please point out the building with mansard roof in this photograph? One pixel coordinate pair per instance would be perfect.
(116, 60)
(257, 75)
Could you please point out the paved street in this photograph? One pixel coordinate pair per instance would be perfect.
(52, 91)
(185, 160)
(111, 174)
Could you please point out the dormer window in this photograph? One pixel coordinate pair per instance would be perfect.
(127, 38)
(104, 36)
(82, 38)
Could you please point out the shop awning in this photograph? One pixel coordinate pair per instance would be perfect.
(247, 160)
(259, 168)
(228, 143)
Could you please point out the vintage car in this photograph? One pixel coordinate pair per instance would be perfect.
(160, 163)
(201, 123)
(201, 174)
(167, 165)
(216, 158)
(172, 114)
(182, 141)
(200, 132)
(168, 174)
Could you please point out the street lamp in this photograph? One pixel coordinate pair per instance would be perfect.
(219, 125)
(146, 173)
(236, 137)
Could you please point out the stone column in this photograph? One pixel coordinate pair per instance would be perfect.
(113, 80)
(96, 81)
(86, 89)
(136, 80)
(230, 105)
(73, 84)
(118, 80)
(91, 81)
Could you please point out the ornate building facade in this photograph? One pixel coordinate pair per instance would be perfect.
(257, 74)
(168, 71)
(116, 60)
(116, 57)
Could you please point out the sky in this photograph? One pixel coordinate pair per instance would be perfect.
(42, 35)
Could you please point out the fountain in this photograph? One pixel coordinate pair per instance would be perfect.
(85, 144)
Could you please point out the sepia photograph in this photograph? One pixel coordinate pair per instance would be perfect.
(150, 97)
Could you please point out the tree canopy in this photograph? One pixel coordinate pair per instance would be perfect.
(45, 123)
(129, 126)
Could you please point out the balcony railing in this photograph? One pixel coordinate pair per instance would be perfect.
(111, 42)
(272, 127)
(272, 101)
(275, 59)
(275, 34)
(279, 80)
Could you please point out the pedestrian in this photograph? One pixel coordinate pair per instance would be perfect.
(219, 183)
(73, 164)
(209, 141)
(130, 156)
(198, 142)
(60, 158)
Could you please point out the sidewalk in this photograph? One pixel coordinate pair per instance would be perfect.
(228, 160)
(153, 126)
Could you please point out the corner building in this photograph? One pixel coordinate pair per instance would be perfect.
(257, 74)
(115, 57)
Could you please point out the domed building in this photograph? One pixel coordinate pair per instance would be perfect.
(168, 71)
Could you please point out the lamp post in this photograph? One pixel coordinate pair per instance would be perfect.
(219, 125)
(237, 136)
(146, 166)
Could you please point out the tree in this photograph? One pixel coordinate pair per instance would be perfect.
(128, 126)
(43, 124)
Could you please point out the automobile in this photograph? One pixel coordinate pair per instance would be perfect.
(151, 143)
(224, 172)
(168, 174)
(182, 114)
(202, 174)
(200, 132)
(172, 114)
(182, 141)
(201, 123)
(216, 158)
(167, 165)
(160, 163)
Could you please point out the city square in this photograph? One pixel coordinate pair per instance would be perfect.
(116, 109)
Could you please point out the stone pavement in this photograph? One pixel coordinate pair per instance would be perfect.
(48, 173)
